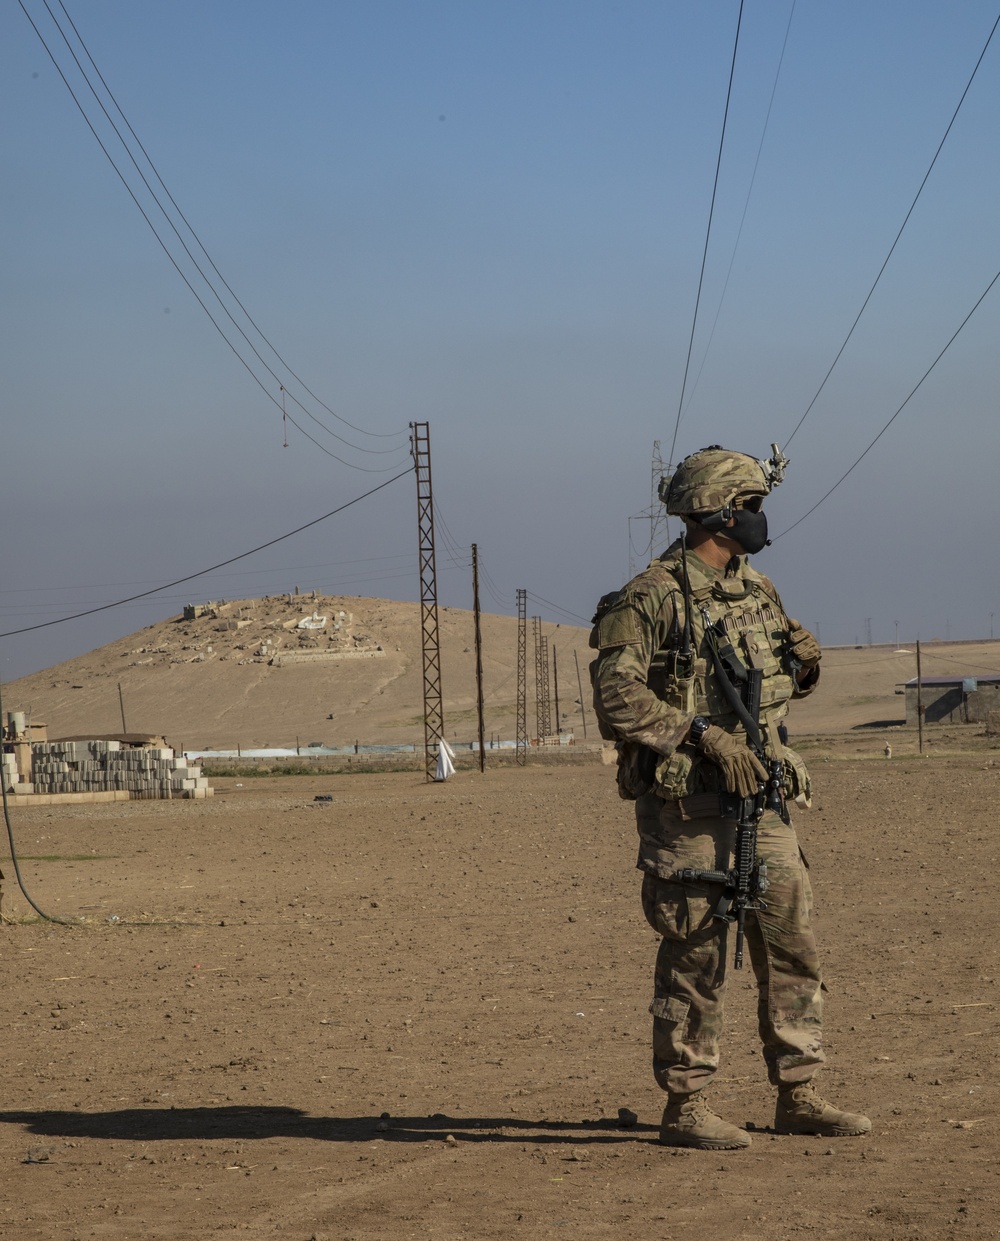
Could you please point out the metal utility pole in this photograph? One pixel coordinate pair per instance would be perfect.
(655, 514)
(543, 723)
(546, 729)
(579, 685)
(521, 750)
(479, 653)
(420, 447)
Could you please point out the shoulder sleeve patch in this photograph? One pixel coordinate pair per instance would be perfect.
(620, 625)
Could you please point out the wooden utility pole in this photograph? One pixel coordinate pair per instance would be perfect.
(920, 705)
(579, 685)
(555, 688)
(521, 750)
(420, 447)
(479, 653)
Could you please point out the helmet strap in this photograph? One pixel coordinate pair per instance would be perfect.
(714, 522)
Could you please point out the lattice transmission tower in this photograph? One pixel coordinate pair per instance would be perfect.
(543, 720)
(420, 447)
(655, 516)
(521, 752)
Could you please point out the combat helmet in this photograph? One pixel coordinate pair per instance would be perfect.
(706, 483)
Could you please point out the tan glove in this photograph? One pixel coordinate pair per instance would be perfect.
(742, 771)
(802, 645)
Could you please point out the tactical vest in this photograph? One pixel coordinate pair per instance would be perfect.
(751, 617)
(748, 613)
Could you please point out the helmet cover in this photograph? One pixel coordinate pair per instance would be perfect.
(710, 479)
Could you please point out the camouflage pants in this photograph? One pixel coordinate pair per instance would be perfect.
(690, 980)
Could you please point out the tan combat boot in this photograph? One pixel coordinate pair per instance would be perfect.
(801, 1110)
(689, 1121)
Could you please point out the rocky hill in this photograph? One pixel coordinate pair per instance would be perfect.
(290, 669)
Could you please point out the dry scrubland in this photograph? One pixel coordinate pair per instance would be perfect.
(416, 1009)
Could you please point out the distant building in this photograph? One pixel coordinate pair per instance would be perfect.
(953, 700)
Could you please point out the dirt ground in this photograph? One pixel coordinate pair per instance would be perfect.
(415, 1010)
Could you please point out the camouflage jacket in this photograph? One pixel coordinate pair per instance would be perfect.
(645, 696)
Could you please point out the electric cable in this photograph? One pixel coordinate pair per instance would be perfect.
(176, 232)
(197, 266)
(491, 588)
(708, 233)
(495, 593)
(201, 572)
(11, 615)
(913, 391)
(906, 219)
(452, 545)
(962, 663)
(187, 224)
(294, 568)
(746, 206)
(14, 858)
(548, 603)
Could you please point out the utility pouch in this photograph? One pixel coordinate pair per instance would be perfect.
(673, 774)
(636, 770)
(797, 779)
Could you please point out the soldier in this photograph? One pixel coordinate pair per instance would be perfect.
(683, 757)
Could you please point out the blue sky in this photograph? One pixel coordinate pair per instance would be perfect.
(491, 217)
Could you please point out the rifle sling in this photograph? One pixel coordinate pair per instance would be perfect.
(731, 692)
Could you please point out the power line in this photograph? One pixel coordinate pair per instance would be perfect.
(336, 589)
(295, 568)
(807, 513)
(214, 291)
(548, 603)
(228, 287)
(708, 233)
(746, 205)
(496, 594)
(201, 572)
(864, 304)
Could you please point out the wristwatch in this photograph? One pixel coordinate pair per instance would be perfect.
(699, 727)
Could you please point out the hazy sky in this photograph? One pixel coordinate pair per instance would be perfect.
(490, 216)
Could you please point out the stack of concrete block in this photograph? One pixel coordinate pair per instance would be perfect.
(11, 779)
(108, 766)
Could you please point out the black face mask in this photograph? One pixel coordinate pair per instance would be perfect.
(749, 530)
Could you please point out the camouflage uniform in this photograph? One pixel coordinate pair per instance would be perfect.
(646, 696)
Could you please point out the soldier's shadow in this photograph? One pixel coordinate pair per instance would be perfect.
(155, 1124)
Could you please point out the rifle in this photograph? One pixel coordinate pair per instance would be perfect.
(744, 884)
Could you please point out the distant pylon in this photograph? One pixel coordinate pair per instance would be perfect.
(655, 515)
(420, 447)
(521, 751)
(543, 722)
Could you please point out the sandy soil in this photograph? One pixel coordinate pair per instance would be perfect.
(415, 1011)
